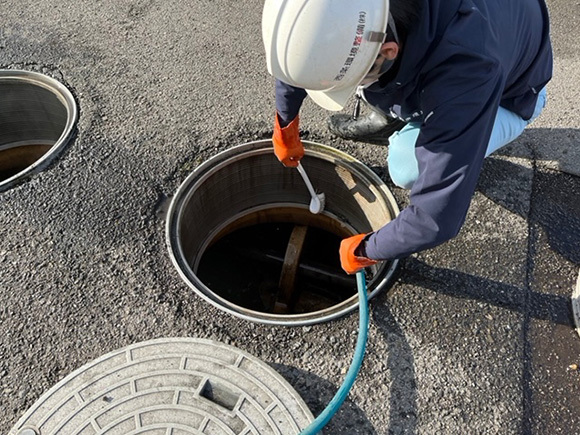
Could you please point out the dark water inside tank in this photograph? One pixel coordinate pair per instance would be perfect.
(244, 267)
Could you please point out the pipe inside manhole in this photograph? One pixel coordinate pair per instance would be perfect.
(241, 236)
(37, 117)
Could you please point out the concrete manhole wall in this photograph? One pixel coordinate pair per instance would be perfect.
(246, 185)
(37, 118)
(170, 385)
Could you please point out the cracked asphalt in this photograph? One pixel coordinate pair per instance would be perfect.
(476, 336)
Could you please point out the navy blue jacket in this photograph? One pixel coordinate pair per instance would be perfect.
(462, 61)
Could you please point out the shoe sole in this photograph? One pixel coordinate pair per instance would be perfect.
(375, 139)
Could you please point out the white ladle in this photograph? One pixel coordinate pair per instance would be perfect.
(317, 201)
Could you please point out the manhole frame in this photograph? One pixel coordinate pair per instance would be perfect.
(65, 96)
(385, 271)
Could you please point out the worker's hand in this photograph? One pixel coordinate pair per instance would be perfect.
(350, 262)
(287, 145)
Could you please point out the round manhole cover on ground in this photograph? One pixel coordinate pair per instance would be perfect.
(37, 118)
(170, 386)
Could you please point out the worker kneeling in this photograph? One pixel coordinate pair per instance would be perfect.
(446, 83)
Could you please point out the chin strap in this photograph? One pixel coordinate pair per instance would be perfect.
(356, 111)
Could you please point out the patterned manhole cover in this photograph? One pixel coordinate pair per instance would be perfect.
(172, 386)
(576, 305)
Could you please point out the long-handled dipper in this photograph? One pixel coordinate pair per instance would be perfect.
(317, 201)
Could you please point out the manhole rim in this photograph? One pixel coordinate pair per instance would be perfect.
(65, 96)
(386, 271)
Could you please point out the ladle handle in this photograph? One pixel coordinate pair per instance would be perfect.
(306, 180)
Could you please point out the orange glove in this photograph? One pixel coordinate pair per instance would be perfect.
(349, 261)
(287, 145)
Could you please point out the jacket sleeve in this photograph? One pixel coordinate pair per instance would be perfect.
(288, 102)
(459, 99)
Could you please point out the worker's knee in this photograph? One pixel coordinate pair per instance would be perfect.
(402, 163)
(402, 176)
(508, 125)
(540, 104)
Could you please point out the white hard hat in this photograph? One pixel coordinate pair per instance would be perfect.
(323, 46)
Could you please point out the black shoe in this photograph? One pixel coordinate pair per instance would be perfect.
(372, 128)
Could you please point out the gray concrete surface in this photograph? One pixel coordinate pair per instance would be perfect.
(476, 336)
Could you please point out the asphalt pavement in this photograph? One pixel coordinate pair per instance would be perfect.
(476, 336)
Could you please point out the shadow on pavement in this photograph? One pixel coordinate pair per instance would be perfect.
(401, 365)
(558, 147)
(317, 393)
(555, 203)
(549, 202)
(553, 308)
(553, 257)
(553, 209)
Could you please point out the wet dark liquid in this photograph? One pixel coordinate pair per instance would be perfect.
(245, 266)
(15, 160)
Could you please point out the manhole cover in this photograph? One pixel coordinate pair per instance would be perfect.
(37, 117)
(576, 305)
(170, 386)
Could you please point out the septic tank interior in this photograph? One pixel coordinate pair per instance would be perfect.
(475, 333)
(244, 211)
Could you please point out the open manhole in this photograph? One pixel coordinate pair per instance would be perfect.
(241, 235)
(170, 386)
(37, 117)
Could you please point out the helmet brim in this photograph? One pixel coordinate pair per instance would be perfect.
(333, 100)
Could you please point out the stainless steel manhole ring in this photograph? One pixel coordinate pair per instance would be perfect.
(37, 118)
(248, 179)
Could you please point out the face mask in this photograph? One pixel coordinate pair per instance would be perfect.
(382, 65)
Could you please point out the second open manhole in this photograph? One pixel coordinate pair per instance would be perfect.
(37, 118)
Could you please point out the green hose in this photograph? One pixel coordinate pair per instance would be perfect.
(334, 405)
